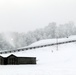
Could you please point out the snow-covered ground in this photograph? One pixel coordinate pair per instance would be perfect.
(49, 61)
(55, 40)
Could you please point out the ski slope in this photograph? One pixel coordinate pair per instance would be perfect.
(49, 61)
(55, 40)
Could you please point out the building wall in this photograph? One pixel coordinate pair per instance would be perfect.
(26, 60)
(1, 60)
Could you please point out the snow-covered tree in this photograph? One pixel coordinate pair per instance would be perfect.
(50, 30)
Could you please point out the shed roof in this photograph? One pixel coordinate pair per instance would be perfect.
(12, 55)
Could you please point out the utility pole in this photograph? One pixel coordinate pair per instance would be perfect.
(57, 43)
(56, 35)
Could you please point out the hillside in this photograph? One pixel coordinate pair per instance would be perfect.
(55, 40)
(49, 61)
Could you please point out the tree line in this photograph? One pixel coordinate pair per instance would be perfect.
(52, 30)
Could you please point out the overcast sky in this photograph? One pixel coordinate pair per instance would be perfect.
(26, 15)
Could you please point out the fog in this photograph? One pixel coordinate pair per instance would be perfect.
(28, 15)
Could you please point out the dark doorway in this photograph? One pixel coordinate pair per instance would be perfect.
(5, 61)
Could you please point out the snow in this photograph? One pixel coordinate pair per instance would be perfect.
(55, 40)
(49, 61)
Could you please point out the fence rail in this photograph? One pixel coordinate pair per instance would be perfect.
(29, 48)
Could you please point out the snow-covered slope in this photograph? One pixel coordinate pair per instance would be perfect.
(49, 61)
(49, 41)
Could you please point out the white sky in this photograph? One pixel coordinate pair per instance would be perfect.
(26, 15)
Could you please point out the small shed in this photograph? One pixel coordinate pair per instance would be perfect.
(15, 60)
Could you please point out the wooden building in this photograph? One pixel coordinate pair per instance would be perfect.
(14, 60)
